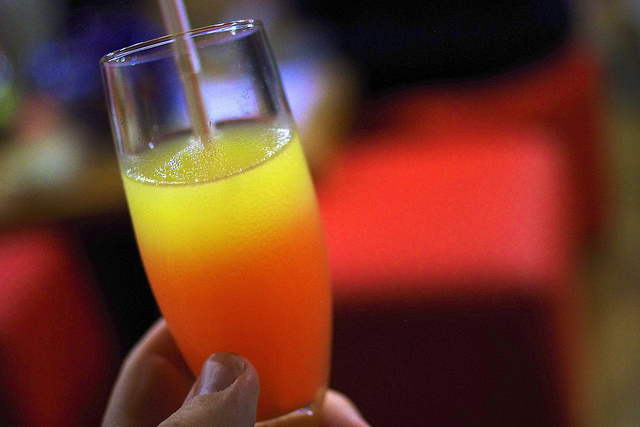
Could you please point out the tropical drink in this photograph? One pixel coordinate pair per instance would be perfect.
(233, 248)
(225, 215)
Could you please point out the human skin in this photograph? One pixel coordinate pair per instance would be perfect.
(156, 387)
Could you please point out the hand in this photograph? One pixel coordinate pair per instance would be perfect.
(155, 387)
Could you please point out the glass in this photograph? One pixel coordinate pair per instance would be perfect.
(225, 218)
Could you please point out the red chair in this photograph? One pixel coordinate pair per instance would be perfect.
(453, 259)
(58, 352)
(562, 94)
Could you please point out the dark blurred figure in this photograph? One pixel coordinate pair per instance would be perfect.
(403, 43)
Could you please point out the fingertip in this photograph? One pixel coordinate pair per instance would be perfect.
(227, 390)
(222, 370)
(339, 411)
(219, 372)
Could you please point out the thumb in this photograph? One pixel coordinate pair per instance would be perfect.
(224, 395)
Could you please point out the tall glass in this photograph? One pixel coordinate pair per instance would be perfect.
(225, 217)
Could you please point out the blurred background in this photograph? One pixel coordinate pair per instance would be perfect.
(360, 79)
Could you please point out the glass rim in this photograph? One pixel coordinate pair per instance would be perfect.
(244, 24)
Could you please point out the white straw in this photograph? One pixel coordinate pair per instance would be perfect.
(176, 21)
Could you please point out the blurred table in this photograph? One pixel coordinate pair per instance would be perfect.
(94, 189)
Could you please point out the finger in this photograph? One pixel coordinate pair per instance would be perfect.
(225, 395)
(152, 382)
(339, 411)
